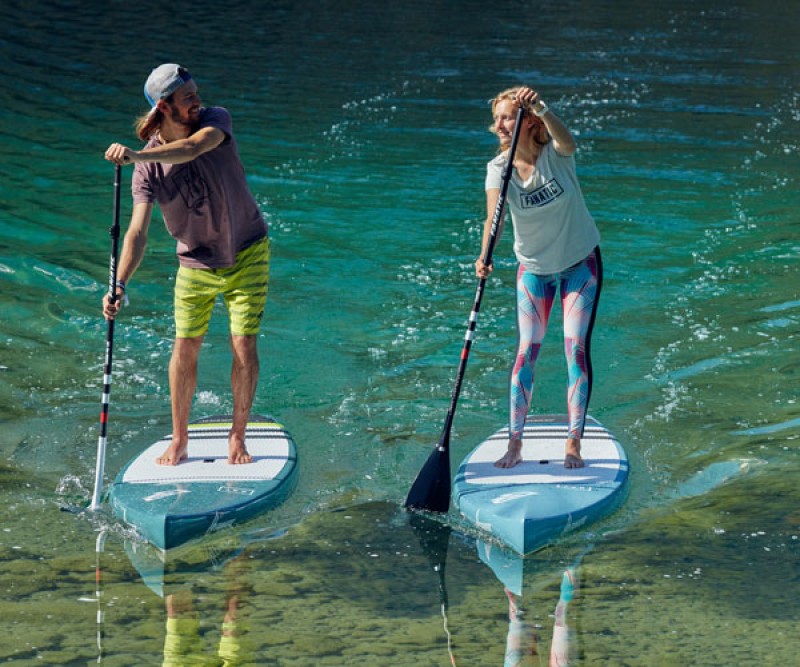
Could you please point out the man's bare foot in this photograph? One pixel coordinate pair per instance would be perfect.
(512, 457)
(177, 451)
(572, 457)
(237, 452)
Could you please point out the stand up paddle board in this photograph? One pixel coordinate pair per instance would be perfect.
(169, 505)
(530, 505)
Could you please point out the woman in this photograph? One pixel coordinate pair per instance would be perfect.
(556, 243)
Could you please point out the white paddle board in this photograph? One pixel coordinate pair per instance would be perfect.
(169, 505)
(530, 505)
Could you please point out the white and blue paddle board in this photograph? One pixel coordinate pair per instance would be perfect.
(169, 505)
(535, 502)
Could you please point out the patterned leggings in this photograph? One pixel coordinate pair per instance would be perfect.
(579, 286)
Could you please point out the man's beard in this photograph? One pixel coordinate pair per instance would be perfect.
(189, 122)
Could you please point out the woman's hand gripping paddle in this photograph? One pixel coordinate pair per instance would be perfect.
(431, 489)
(112, 295)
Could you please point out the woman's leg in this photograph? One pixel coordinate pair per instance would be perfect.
(580, 293)
(535, 295)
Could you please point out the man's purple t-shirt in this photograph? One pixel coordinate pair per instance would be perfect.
(206, 204)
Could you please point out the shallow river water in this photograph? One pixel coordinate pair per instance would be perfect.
(362, 127)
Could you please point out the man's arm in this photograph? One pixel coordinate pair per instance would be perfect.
(174, 152)
(132, 253)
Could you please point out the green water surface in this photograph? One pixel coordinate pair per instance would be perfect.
(362, 127)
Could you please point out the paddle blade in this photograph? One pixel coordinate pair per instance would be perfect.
(431, 489)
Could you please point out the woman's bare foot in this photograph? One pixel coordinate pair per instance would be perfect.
(512, 457)
(176, 452)
(572, 456)
(237, 452)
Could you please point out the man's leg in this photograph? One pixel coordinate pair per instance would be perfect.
(244, 378)
(195, 293)
(245, 297)
(182, 383)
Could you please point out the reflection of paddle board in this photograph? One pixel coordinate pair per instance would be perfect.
(166, 572)
(169, 505)
(532, 504)
(524, 575)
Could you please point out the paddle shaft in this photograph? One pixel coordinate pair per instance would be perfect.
(497, 218)
(112, 296)
(431, 489)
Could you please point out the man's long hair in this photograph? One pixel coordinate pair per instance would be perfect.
(148, 124)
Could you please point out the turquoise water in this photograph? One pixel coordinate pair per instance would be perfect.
(363, 130)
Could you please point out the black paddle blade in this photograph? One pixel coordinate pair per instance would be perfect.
(431, 489)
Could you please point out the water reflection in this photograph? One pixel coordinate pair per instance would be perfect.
(99, 548)
(520, 578)
(208, 593)
(182, 642)
(522, 642)
(434, 538)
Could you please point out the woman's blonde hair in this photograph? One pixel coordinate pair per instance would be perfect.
(539, 134)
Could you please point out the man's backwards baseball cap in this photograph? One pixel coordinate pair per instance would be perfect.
(163, 81)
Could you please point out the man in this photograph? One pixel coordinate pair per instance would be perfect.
(190, 166)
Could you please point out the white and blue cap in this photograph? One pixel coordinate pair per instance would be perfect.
(163, 81)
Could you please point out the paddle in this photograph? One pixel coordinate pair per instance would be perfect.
(431, 489)
(112, 296)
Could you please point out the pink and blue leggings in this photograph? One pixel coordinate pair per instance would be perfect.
(579, 287)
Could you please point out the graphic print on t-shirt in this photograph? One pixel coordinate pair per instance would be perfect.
(192, 187)
(542, 195)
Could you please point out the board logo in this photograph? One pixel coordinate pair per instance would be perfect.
(237, 490)
(511, 496)
(160, 495)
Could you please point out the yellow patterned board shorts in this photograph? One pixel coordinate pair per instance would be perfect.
(243, 288)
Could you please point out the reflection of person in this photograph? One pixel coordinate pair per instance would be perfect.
(191, 167)
(562, 641)
(556, 244)
(522, 642)
(183, 644)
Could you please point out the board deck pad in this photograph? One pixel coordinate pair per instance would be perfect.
(531, 504)
(169, 505)
(208, 457)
